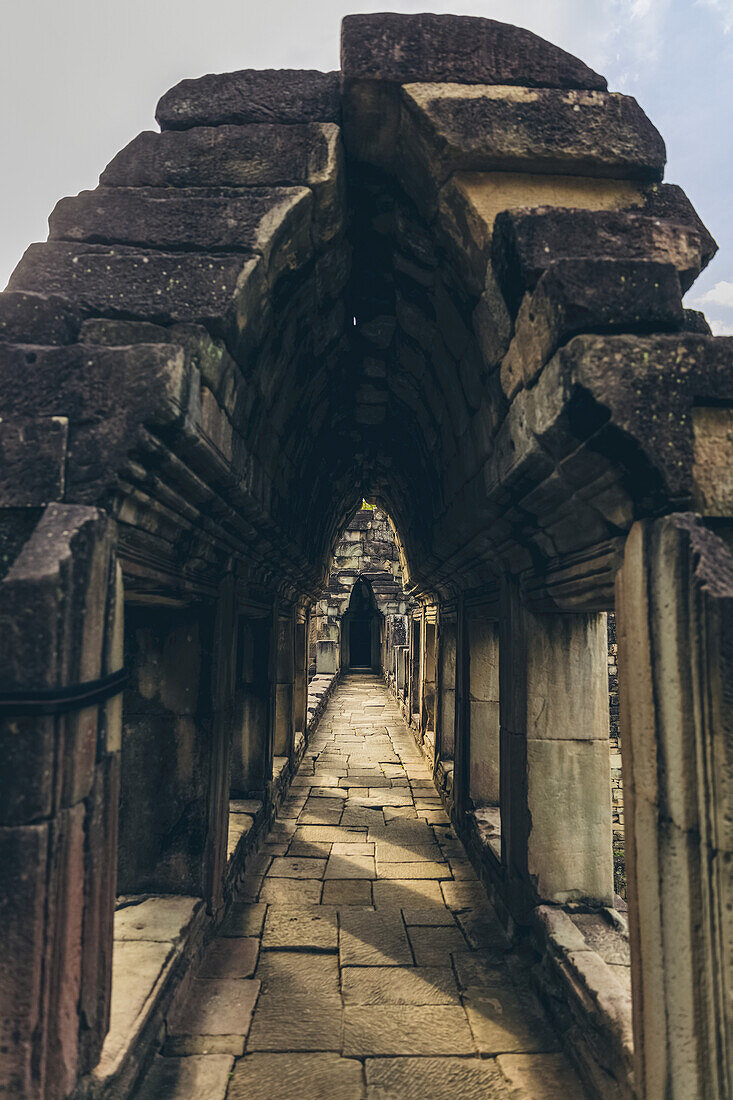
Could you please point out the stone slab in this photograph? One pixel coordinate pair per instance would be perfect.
(437, 1078)
(503, 1023)
(183, 1078)
(302, 927)
(244, 920)
(289, 867)
(541, 1076)
(294, 1076)
(348, 866)
(434, 946)
(406, 1029)
(298, 972)
(347, 892)
(230, 957)
(283, 891)
(251, 95)
(407, 893)
(291, 1022)
(374, 985)
(373, 939)
(214, 1018)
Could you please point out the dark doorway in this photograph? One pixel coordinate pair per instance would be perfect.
(360, 626)
(360, 643)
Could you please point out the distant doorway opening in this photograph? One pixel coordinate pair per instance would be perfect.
(360, 628)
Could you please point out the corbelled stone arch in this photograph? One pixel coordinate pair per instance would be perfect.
(521, 390)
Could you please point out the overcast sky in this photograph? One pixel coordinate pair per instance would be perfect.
(79, 78)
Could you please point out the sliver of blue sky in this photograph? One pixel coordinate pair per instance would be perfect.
(79, 79)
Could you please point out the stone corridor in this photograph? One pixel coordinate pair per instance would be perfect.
(361, 958)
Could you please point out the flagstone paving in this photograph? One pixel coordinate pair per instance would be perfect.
(362, 960)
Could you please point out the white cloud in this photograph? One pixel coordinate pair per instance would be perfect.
(719, 295)
(720, 328)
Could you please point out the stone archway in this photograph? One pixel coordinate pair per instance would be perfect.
(448, 278)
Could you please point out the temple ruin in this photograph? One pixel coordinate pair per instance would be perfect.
(446, 280)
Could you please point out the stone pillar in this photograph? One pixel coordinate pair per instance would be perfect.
(429, 675)
(554, 756)
(300, 702)
(483, 709)
(251, 765)
(61, 604)
(166, 750)
(223, 678)
(674, 613)
(284, 682)
(446, 685)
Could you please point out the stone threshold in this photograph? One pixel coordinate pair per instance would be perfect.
(159, 939)
(581, 968)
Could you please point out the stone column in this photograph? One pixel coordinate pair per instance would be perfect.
(251, 766)
(483, 709)
(446, 685)
(223, 678)
(300, 701)
(554, 756)
(167, 750)
(674, 605)
(284, 682)
(61, 603)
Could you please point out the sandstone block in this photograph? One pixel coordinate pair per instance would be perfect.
(296, 1022)
(482, 128)
(526, 241)
(420, 985)
(455, 48)
(274, 221)
(220, 1009)
(296, 1076)
(181, 1078)
(439, 1078)
(301, 926)
(406, 1029)
(575, 296)
(373, 939)
(251, 95)
(27, 318)
(217, 156)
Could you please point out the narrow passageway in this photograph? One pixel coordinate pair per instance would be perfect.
(362, 959)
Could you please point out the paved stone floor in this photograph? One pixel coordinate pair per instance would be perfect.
(363, 959)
